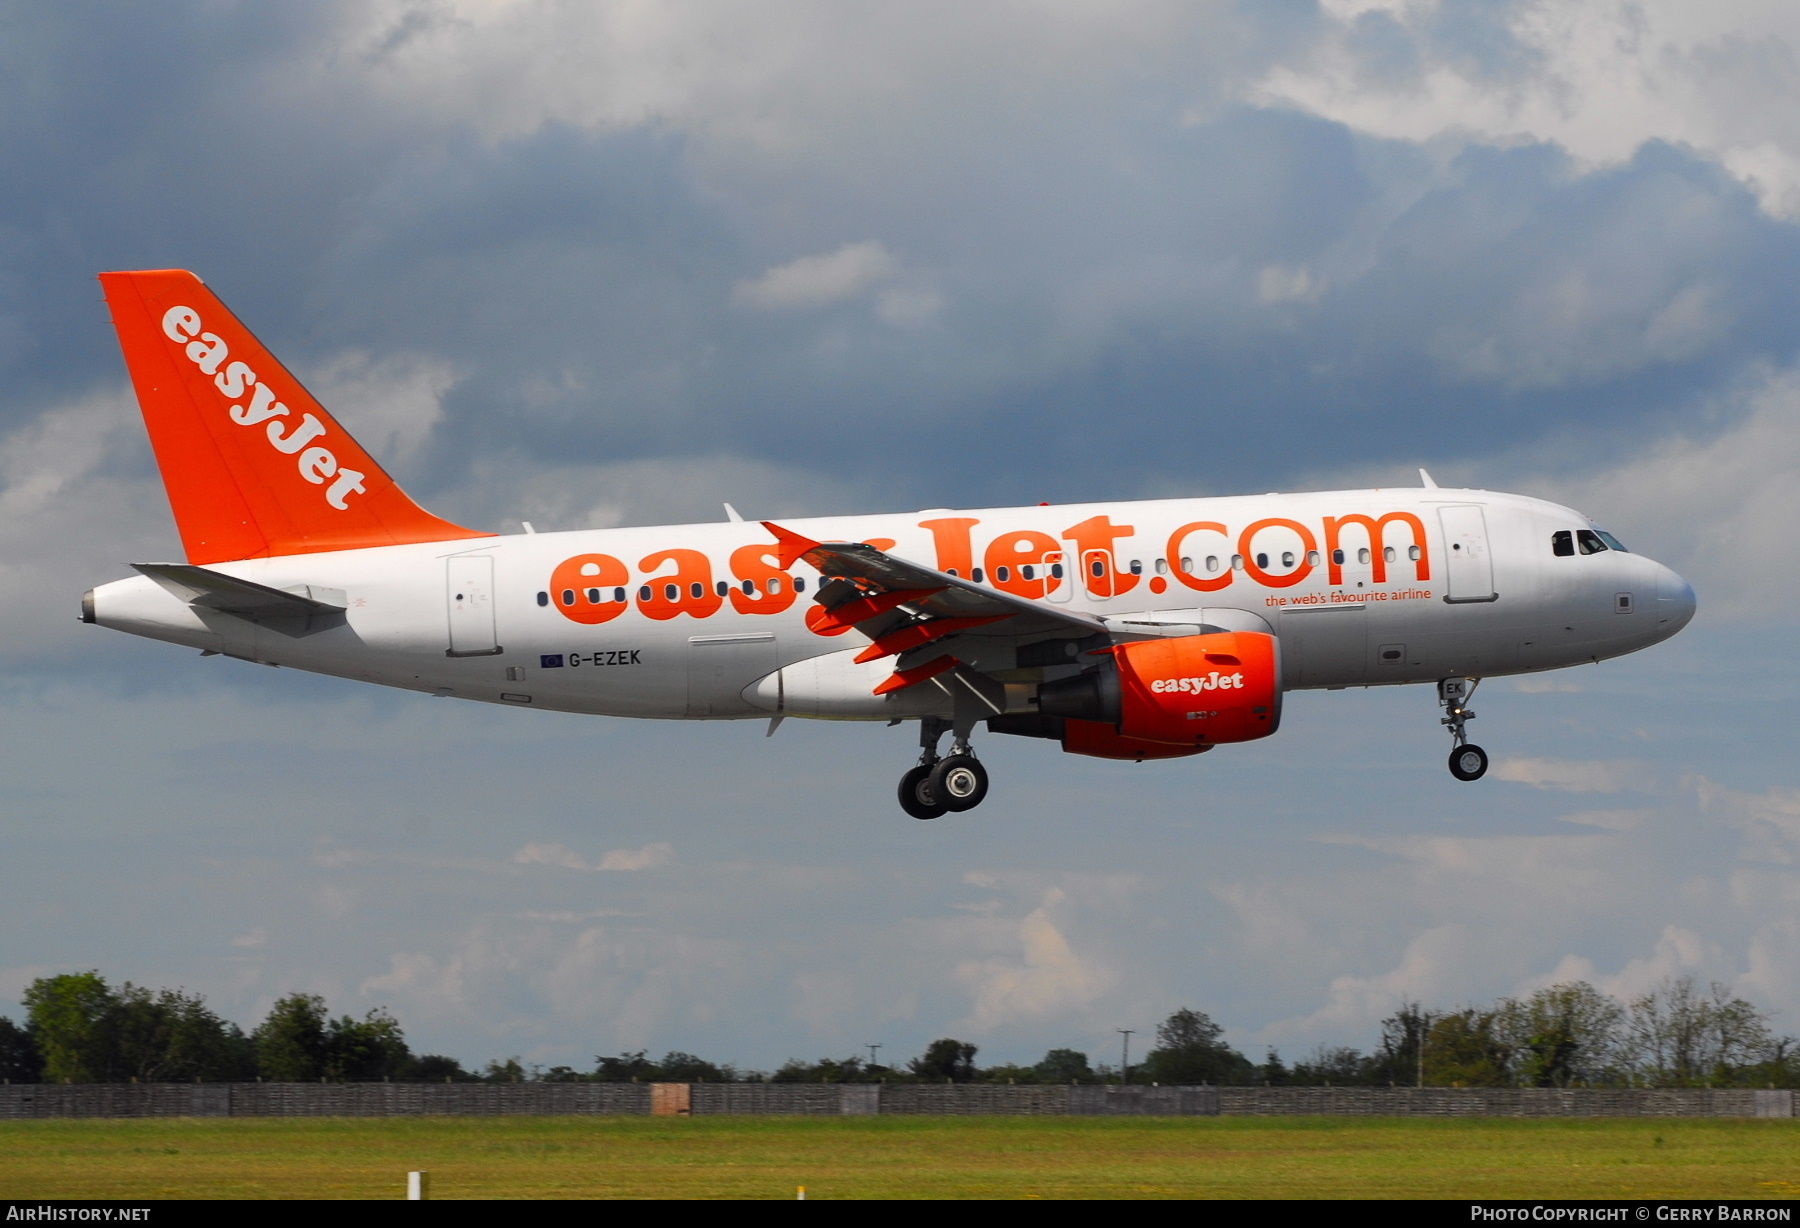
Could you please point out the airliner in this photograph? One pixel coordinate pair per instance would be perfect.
(1150, 629)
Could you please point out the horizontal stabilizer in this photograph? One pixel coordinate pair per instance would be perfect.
(297, 611)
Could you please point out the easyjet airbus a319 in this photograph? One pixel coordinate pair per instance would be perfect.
(1141, 630)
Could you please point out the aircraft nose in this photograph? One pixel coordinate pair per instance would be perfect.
(1675, 601)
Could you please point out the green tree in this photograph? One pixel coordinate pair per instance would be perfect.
(1189, 1051)
(679, 1067)
(365, 1050)
(1467, 1049)
(20, 1061)
(626, 1068)
(1332, 1066)
(945, 1059)
(1274, 1071)
(290, 1044)
(1561, 1036)
(1404, 1035)
(170, 1034)
(68, 1016)
(509, 1071)
(1679, 1036)
(1064, 1066)
(436, 1068)
(825, 1070)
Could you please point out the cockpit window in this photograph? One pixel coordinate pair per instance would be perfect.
(1562, 543)
(1612, 541)
(1589, 541)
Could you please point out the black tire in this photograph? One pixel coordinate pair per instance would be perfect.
(1468, 762)
(916, 797)
(959, 782)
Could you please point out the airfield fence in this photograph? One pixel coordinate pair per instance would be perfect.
(855, 1099)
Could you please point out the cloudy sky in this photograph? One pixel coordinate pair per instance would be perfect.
(600, 264)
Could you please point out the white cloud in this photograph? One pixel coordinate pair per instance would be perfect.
(1573, 775)
(1288, 284)
(775, 76)
(1770, 820)
(1678, 952)
(255, 938)
(1047, 977)
(390, 404)
(814, 281)
(73, 511)
(668, 490)
(623, 860)
(1719, 510)
(647, 858)
(1610, 820)
(1598, 77)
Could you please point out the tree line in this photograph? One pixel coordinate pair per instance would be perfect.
(79, 1029)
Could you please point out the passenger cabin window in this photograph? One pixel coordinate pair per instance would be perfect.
(1562, 543)
(1589, 541)
(543, 598)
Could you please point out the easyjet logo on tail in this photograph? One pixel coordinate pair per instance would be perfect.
(209, 352)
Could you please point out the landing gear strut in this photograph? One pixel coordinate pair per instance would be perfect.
(1467, 760)
(954, 783)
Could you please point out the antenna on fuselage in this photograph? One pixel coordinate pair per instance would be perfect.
(731, 514)
(1423, 477)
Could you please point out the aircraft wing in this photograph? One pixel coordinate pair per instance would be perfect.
(915, 613)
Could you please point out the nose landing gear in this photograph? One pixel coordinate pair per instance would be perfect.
(952, 784)
(1467, 761)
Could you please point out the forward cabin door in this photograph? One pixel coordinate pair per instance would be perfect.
(1468, 565)
(470, 595)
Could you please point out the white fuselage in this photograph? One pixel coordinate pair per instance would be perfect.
(1481, 594)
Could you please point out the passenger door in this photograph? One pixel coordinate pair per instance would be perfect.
(1468, 565)
(470, 595)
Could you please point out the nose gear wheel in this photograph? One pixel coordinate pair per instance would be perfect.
(1468, 762)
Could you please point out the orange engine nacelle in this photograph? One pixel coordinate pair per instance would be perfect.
(1169, 697)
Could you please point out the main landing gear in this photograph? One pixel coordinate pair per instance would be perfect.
(936, 787)
(1467, 760)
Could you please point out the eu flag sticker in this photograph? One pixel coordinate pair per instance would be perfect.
(551, 661)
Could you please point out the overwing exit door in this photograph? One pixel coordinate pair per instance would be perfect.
(469, 593)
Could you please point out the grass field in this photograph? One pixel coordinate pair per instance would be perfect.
(900, 1157)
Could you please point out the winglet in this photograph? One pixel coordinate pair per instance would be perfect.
(1426, 478)
(793, 546)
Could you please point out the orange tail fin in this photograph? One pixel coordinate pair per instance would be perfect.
(253, 465)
